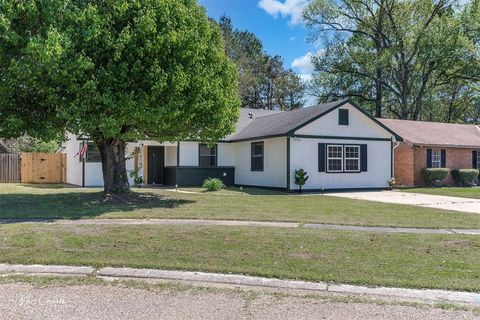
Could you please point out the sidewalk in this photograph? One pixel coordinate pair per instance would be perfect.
(241, 280)
(240, 223)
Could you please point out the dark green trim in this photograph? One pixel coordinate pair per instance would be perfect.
(343, 117)
(178, 153)
(288, 163)
(342, 103)
(194, 176)
(341, 138)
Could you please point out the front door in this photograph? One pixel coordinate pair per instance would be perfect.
(156, 159)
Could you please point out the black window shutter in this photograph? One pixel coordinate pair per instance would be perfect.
(475, 160)
(363, 158)
(343, 117)
(321, 157)
(429, 158)
(444, 158)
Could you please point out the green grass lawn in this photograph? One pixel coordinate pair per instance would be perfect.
(18, 201)
(473, 193)
(406, 260)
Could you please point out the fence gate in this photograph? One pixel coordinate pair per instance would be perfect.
(9, 168)
(43, 168)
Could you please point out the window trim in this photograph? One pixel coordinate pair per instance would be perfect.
(358, 147)
(252, 156)
(436, 161)
(200, 155)
(335, 158)
(343, 158)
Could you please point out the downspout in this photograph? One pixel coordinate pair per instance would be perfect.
(395, 145)
(83, 167)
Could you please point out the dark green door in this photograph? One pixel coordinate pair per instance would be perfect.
(156, 161)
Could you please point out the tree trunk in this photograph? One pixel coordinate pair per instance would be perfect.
(113, 165)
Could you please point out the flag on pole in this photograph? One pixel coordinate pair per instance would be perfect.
(83, 150)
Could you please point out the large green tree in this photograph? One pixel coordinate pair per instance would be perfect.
(116, 71)
(263, 81)
(401, 58)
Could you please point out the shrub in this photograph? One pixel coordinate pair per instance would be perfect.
(213, 184)
(435, 174)
(301, 178)
(465, 177)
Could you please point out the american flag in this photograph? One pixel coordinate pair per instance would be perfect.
(83, 150)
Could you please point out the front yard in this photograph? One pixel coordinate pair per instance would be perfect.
(43, 202)
(376, 259)
(367, 258)
(473, 193)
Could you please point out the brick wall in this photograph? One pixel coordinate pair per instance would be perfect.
(410, 162)
(404, 170)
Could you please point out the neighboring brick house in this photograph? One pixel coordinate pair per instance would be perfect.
(433, 145)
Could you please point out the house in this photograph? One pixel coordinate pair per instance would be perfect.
(337, 143)
(433, 145)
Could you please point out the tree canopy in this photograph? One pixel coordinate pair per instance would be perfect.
(263, 81)
(415, 59)
(116, 71)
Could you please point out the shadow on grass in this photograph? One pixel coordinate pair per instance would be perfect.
(258, 191)
(41, 207)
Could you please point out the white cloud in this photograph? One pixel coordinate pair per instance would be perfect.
(285, 8)
(304, 63)
(292, 38)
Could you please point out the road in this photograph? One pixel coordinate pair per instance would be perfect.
(29, 301)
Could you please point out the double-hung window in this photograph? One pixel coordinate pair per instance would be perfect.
(478, 159)
(352, 158)
(208, 155)
(257, 150)
(335, 158)
(436, 158)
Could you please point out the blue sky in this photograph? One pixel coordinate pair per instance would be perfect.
(277, 23)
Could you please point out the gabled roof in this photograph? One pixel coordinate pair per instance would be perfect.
(275, 123)
(435, 134)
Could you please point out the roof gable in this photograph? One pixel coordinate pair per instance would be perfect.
(286, 123)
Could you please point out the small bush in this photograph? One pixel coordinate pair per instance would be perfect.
(465, 177)
(435, 174)
(301, 177)
(213, 184)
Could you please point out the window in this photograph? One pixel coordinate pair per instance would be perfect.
(436, 158)
(352, 158)
(343, 117)
(334, 158)
(93, 153)
(207, 155)
(478, 159)
(257, 156)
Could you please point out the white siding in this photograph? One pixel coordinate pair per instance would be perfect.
(359, 126)
(226, 155)
(74, 166)
(275, 164)
(93, 170)
(188, 154)
(170, 156)
(304, 154)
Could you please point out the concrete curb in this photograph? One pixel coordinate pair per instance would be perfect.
(42, 269)
(241, 280)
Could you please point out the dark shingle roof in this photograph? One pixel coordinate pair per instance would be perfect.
(275, 123)
(435, 133)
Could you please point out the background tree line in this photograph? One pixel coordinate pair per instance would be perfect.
(263, 81)
(414, 59)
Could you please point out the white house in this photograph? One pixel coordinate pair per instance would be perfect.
(337, 143)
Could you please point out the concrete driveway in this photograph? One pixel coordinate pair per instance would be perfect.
(415, 199)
